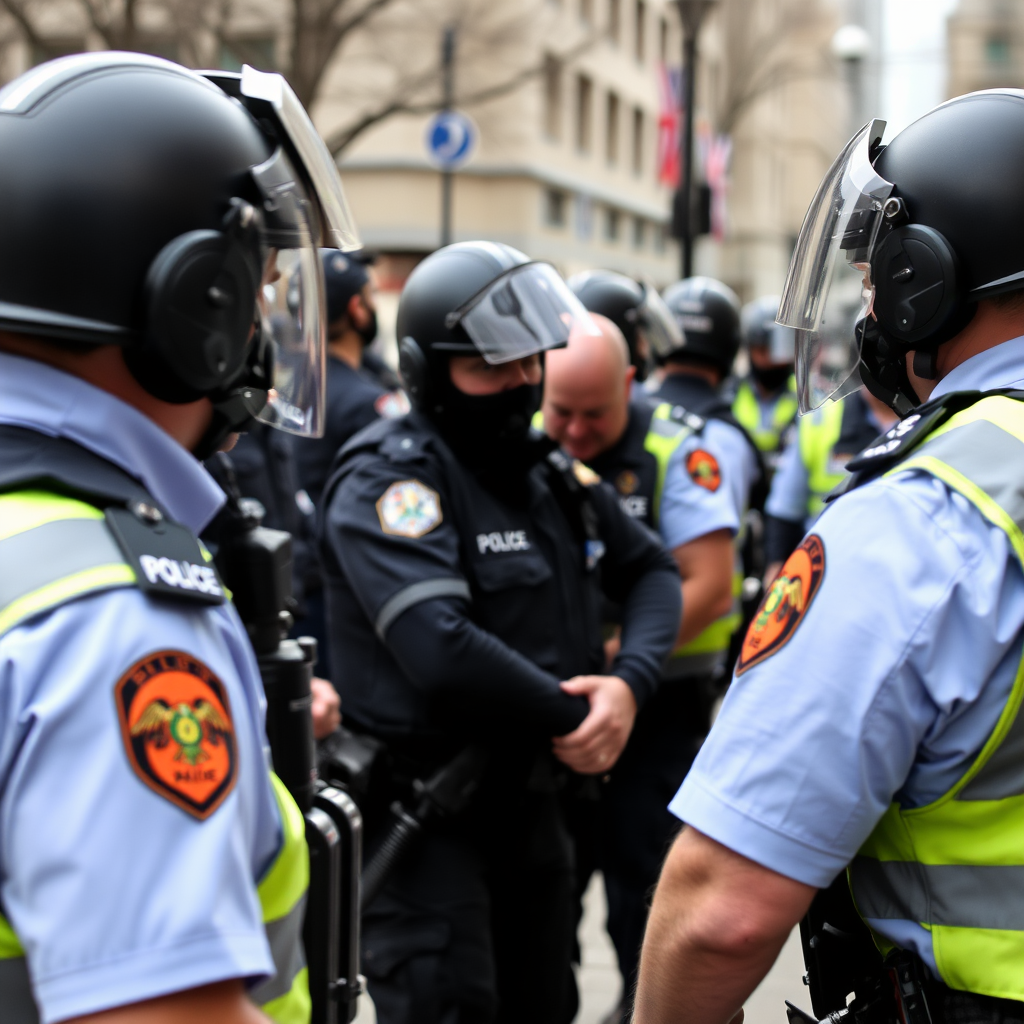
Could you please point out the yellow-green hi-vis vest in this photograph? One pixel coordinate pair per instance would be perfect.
(956, 865)
(817, 435)
(747, 410)
(75, 554)
(702, 653)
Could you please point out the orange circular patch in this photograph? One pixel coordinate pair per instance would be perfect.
(786, 603)
(703, 469)
(177, 730)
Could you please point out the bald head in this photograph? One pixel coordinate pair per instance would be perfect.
(586, 390)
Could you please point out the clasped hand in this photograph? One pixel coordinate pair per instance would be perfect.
(596, 744)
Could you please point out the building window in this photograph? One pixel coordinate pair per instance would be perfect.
(662, 40)
(638, 140)
(611, 224)
(661, 238)
(640, 30)
(639, 232)
(257, 51)
(615, 21)
(554, 208)
(587, 11)
(553, 97)
(611, 137)
(997, 49)
(584, 112)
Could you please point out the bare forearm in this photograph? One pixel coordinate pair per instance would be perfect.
(221, 1003)
(682, 981)
(705, 567)
(716, 926)
(703, 601)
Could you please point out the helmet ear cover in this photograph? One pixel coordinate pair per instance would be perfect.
(201, 292)
(920, 302)
(414, 371)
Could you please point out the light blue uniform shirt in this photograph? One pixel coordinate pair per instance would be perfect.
(737, 460)
(888, 688)
(116, 894)
(790, 490)
(689, 511)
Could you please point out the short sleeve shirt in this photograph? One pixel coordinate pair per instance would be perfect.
(888, 686)
(117, 894)
(691, 508)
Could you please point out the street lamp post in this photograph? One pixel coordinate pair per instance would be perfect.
(448, 100)
(691, 15)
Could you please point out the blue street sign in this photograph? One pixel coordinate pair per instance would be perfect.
(451, 138)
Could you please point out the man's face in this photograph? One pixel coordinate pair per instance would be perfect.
(473, 375)
(588, 413)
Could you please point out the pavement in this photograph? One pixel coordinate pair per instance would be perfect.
(599, 978)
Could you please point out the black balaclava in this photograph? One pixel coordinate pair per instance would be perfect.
(490, 434)
(771, 378)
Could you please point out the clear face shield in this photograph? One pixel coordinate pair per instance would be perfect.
(291, 302)
(780, 342)
(828, 292)
(527, 310)
(660, 327)
(304, 207)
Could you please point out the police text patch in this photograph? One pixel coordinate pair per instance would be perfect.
(177, 730)
(785, 605)
(409, 509)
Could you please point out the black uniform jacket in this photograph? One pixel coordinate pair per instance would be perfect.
(354, 400)
(629, 467)
(473, 622)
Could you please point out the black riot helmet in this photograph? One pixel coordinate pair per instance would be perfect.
(480, 299)
(195, 204)
(636, 309)
(708, 312)
(771, 346)
(900, 243)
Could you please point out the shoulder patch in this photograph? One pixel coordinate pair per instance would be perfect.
(177, 730)
(409, 509)
(391, 405)
(703, 469)
(627, 482)
(785, 605)
(584, 474)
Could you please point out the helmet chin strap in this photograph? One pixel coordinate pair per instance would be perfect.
(926, 364)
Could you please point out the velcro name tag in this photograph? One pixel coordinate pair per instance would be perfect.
(166, 556)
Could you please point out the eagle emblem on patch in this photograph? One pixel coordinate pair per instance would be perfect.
(409, 509)
(703, 469)
(627, 482)
(785, 605)
(177, 730)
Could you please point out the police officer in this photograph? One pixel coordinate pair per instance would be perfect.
(637, 310)
(355, 398)
(814, 465)
(766, 402)
(464, 561)
(149, 863)
(650, 456)
(692, 375)
(875, 717)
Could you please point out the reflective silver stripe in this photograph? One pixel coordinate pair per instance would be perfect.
(989, 457)
(669, 428)
(1002, 775)
(956, 895)
(50, 552)
(416, 593)
(993, 460)
(17, 1005)
(285, 938)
